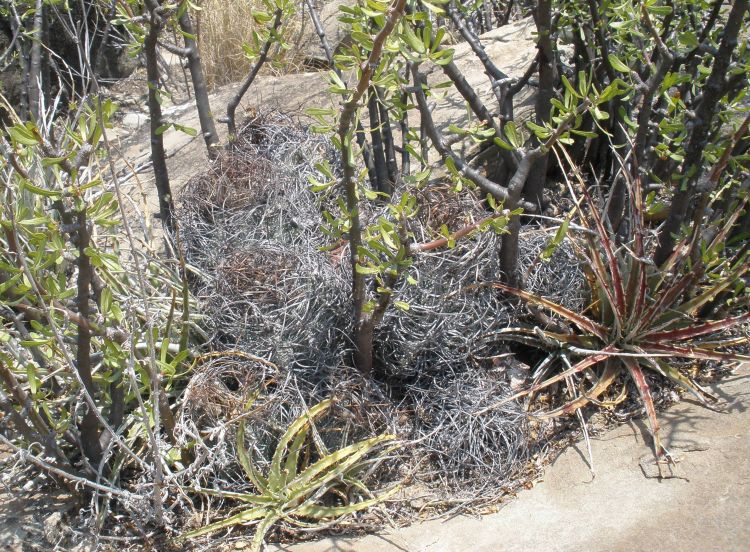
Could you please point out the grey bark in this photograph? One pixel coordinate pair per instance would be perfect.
(202, 103)
(35, 84)
(158, 155)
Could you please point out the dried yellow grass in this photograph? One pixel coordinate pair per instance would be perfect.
(223, 26)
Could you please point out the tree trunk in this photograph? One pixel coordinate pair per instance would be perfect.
(534, 189)
(361, 140)
(35, 84)
(509, 248)
(244, 87)
(89, 426)
(378, 151)
(208, 128)
(390, 148)
(158, 155)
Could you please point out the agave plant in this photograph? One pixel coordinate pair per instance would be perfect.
(292, 489)
(641, 315)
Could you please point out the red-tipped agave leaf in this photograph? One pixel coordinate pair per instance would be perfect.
(665, 301)
(612, 261)
(587, 362)
(603, 279)
(698, 330)
(648, 402)
(692, 306)
(578, 319)
(697, 353)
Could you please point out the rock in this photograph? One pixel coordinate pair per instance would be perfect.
(177, 110)
(53, 532)
(134, 120)
(518, 373)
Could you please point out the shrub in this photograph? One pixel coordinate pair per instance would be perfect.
(95, 328)
(295, 488)
(646, 99)
(640, 317)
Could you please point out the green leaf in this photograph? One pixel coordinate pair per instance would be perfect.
(557, 240)
(251, 53)
(442, 57)
(417, 178)
(275, 477)
(659, 10)
(540, 131)
(363, 39)
(584, 133)
(260, 532)
(292, 460)
(290, 495)
(22, 135)
(511, 132)
(242, 518)
(261, 17)
(316, 511)
(412, 40)
(258, 500)
(319, 112)
(26, 185)
(503, 144)
(106, 300)
(598, 114)
(371, 194)
(49, 161)
(366, 269)
(569, 87)
(618, 65)
(688, 39)
(334, 78)
(434, 9)
(190, 131)
(334, 465)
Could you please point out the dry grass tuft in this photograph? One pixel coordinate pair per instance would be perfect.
(263, 274)
(232, 183)
(270, 290)
(223, 26)
(441, 205)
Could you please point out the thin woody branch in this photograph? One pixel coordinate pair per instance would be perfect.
(262, 57)
(482, 182)
(457, 235)
(363, 329)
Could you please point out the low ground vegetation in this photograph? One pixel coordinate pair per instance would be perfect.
(348, 319)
